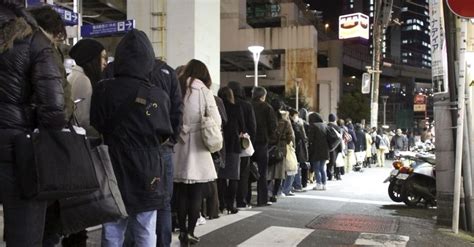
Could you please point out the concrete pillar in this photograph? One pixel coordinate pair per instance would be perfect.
(193, 31)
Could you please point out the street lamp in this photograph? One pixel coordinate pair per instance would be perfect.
(297, 84)
(256, 50)
(326, 26)
(384, 98)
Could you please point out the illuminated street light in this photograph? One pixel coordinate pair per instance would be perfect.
(256, 50)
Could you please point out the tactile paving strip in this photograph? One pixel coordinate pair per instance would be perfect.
(355, 223)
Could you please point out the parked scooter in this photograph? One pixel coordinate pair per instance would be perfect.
(401, 171)
(420, 186)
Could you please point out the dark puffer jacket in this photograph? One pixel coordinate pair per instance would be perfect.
(317, 138)
(31, 93)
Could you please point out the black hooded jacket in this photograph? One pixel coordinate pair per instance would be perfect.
(134, 145)
(31, 93)
(317, 138)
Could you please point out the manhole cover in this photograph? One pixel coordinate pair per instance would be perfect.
(355, 223)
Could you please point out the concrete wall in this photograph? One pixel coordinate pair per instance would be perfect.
(329, 90)
(193, 31)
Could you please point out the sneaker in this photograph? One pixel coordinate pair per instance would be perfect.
(299, 190)
(317, 187)
(245, 207)
(201, 221)
(283, 195)
(324, 187)
(273, 199)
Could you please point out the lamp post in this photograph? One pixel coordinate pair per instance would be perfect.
(297, 85)
(256, 50)
(326, 26)
(384, 98)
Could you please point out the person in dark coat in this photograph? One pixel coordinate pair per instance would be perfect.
(351, 159)
(318, 149)
(31, 96)
(229, 175)
(243, 190)
(303, 116)
(266, 124)
(301, 147)
(134, 144)
(332, 170)
(360, 143)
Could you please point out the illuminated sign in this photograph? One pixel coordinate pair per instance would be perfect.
(353, 25)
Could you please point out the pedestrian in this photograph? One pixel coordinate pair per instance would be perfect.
(305, 168)
(399, 142)
(282, 135)
(346, 138)
(382, 145)
(229, 175)
(331, 166)
(368, 147)
(123, 111)
(360, 144)
(301, 148)
(244, 188)
(266, 124)
(193, 166)
(351, 146)
(31, 86)
(318, 149)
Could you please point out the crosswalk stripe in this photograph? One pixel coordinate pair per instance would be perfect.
(371, 239)
(341, 199)
(277, 236)
(212, 225)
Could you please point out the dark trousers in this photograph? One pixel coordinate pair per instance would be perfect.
(189, 199)
(210, 200)
(23, 219)
(331, 165)
(242, 189)
(261, 157)
(304, 176)
(227, 191)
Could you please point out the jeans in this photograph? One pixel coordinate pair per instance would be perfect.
(297, 181)
(288, 184)
(163, 222)
(142, 227)
(23, 219)
(318, 167)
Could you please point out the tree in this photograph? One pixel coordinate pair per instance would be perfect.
(354, 105)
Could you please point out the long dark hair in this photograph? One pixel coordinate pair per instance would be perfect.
(194, 69)
(92, 69)
(226, 94)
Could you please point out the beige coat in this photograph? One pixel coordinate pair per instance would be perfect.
(192, 160)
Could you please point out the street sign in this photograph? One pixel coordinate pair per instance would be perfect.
(107, 29)
(69, 17)
(419, 107)
(365, 83)
(353, 25)
(462, 8)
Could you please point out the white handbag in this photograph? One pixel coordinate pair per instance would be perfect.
(247, 152)
(210, 130)
(340, 160)
(290, 161)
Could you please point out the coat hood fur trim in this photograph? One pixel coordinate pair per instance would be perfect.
(16, 29)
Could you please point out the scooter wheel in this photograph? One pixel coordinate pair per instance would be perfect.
(394, 192)
(409, 198)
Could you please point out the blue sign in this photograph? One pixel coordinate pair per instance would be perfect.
(107, 28)
(33, 3)
(69, 17)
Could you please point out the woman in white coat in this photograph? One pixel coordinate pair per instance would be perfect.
(193, 164)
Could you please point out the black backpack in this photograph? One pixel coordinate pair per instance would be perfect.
(333, 138)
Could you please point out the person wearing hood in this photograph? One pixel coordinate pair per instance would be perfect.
(123, 111)
(351, 146)
(31, 96)
(250, 125)
(301, 148)
(318, 149)
(332, 170)
(193, 166)
(283, 135)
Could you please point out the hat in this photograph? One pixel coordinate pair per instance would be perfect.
(399, 132)
(332, 117)
(85, 50)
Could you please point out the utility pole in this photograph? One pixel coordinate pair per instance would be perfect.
(383, 11)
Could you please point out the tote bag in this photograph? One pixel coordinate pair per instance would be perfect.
(340, 160)
(291, 163)
(51, 164)
(104, 205)
(210, 130)
(247, 147)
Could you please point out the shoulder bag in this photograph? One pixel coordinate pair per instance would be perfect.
(210, 130)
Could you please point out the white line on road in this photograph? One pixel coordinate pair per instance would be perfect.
(341, 199)
(277, 236)
(212, 225)
(373, 239)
